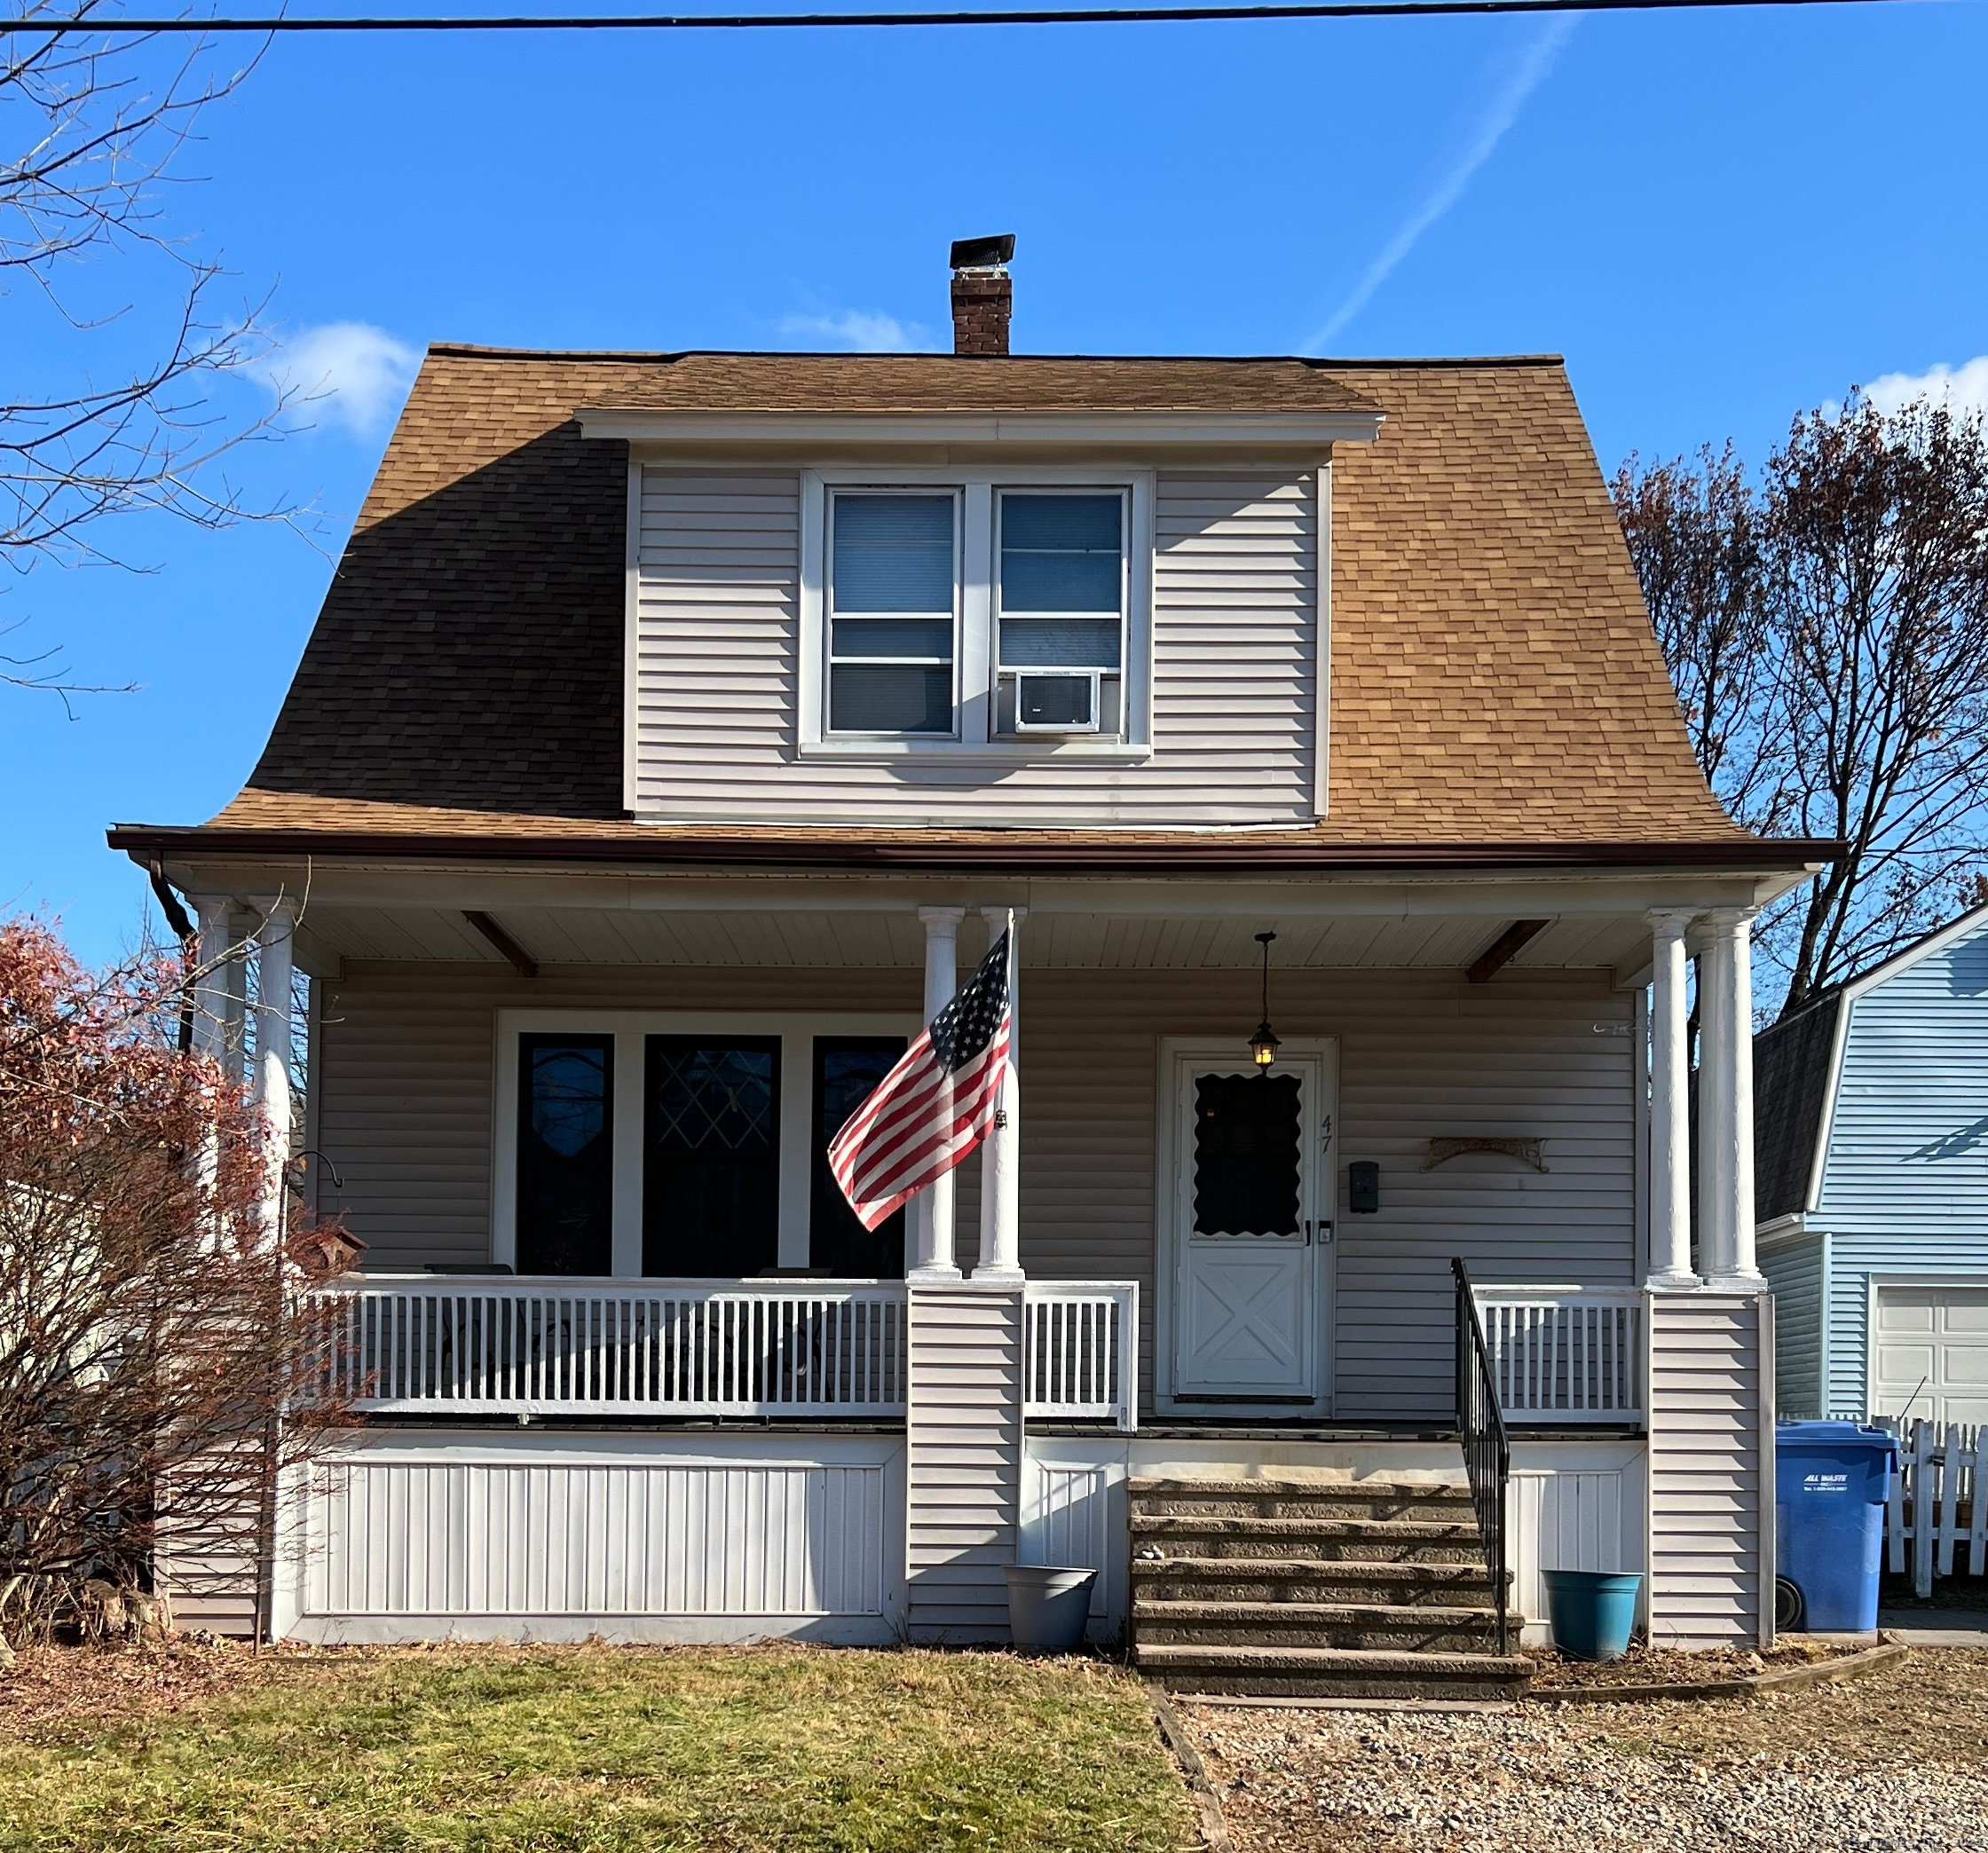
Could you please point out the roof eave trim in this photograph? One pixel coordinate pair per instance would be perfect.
(1744, 856)
(787, 429)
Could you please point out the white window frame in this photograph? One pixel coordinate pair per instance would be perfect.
(796, 1031)
(1096, 672)
(848, 736)
(975, 643)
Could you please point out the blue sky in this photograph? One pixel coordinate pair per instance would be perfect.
(1718, 218)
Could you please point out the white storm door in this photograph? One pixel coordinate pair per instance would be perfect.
(1252, 1242)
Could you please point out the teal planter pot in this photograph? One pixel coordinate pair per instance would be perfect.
(1593, 1611)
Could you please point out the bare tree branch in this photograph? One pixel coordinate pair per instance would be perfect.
(1828, 632)
(92, 126)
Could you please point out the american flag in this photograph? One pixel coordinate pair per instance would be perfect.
(936, 1106)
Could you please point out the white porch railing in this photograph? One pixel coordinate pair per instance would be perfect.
(1080, 1351)
(499, 1345)
(495, 1345)
(1564, 1354)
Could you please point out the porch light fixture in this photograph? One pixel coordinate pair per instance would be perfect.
(1264, 1043)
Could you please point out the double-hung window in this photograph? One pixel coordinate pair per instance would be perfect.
(1060, 612)
(998, 612)
(893, 612)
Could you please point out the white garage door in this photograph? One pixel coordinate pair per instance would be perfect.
(1930, 1349)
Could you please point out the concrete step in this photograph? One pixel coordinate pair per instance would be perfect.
(1323, 1539)
(1377, 1627)
(1283, 1578)
(1332, 1671)
(1383, 1500)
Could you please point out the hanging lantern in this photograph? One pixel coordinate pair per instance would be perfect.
(1264, 1043)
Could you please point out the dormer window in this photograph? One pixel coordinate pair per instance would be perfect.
(894, 611)
(1060, 615)
(1005, 612)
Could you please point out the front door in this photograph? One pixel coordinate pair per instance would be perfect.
(1251, 1225)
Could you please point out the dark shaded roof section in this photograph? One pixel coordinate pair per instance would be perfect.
(1791, 1093)
(469, 651)
(970, 382)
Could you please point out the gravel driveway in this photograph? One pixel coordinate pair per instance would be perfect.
(1898, 1759)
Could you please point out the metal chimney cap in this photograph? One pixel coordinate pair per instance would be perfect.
(982, 253)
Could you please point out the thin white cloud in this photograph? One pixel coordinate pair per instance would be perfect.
(348, 374)
(862, 331)
(1531, 71)
(1964, 387)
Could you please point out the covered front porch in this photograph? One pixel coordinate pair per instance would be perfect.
(577, 1118)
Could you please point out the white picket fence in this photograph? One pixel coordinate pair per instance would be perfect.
(1935, 1507)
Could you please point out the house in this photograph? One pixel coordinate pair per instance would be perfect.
(1871, 1127)
(677, 729)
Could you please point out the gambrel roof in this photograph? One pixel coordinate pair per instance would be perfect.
(1495, 686)
(1798, 1065)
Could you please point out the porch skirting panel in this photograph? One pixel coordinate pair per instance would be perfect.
(557, 1537)
(1711, 1380)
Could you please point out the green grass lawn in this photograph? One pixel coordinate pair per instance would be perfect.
(496, 1749)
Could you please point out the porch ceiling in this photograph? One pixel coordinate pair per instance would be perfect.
(569, 936)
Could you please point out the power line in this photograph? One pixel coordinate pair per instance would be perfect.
(1014, 16)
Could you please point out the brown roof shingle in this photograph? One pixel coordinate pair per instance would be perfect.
(1493, 677)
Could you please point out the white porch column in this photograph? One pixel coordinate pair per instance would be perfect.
(931, 1220)
(1000, 1233)
(1725, 1122)
(1670, 1158)
(273, 1058)
(220, 998)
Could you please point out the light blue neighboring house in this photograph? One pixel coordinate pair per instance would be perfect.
(1870, 1134)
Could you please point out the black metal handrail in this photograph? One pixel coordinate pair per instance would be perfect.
(1480, 1426)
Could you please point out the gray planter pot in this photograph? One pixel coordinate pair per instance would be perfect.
(1047, 1607)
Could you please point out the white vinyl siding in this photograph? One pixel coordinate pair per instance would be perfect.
(1711, 1470)
(717, 688)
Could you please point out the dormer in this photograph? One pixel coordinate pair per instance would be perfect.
(978, 588)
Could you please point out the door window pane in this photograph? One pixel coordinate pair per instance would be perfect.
(711, 1177)
(1061, 553)
(1246, 1154)
(847, 1068)
(565, 1155)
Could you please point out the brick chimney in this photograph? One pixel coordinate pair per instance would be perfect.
(982, 294)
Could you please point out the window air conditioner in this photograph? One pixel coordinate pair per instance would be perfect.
(1056, 701)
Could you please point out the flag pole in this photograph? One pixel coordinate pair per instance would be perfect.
(1000, 1247)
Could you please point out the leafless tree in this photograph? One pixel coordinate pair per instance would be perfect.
(158, 1365)
(1692, 530)
(1828, 631)
(92, 126)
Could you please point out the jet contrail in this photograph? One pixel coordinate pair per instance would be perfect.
(1532, 71)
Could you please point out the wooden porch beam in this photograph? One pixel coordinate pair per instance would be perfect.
(527, 966)
(1500, 951)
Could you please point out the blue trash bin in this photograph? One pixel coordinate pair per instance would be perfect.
(1831, 1481)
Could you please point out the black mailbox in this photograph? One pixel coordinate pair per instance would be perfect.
(1363, 1186)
